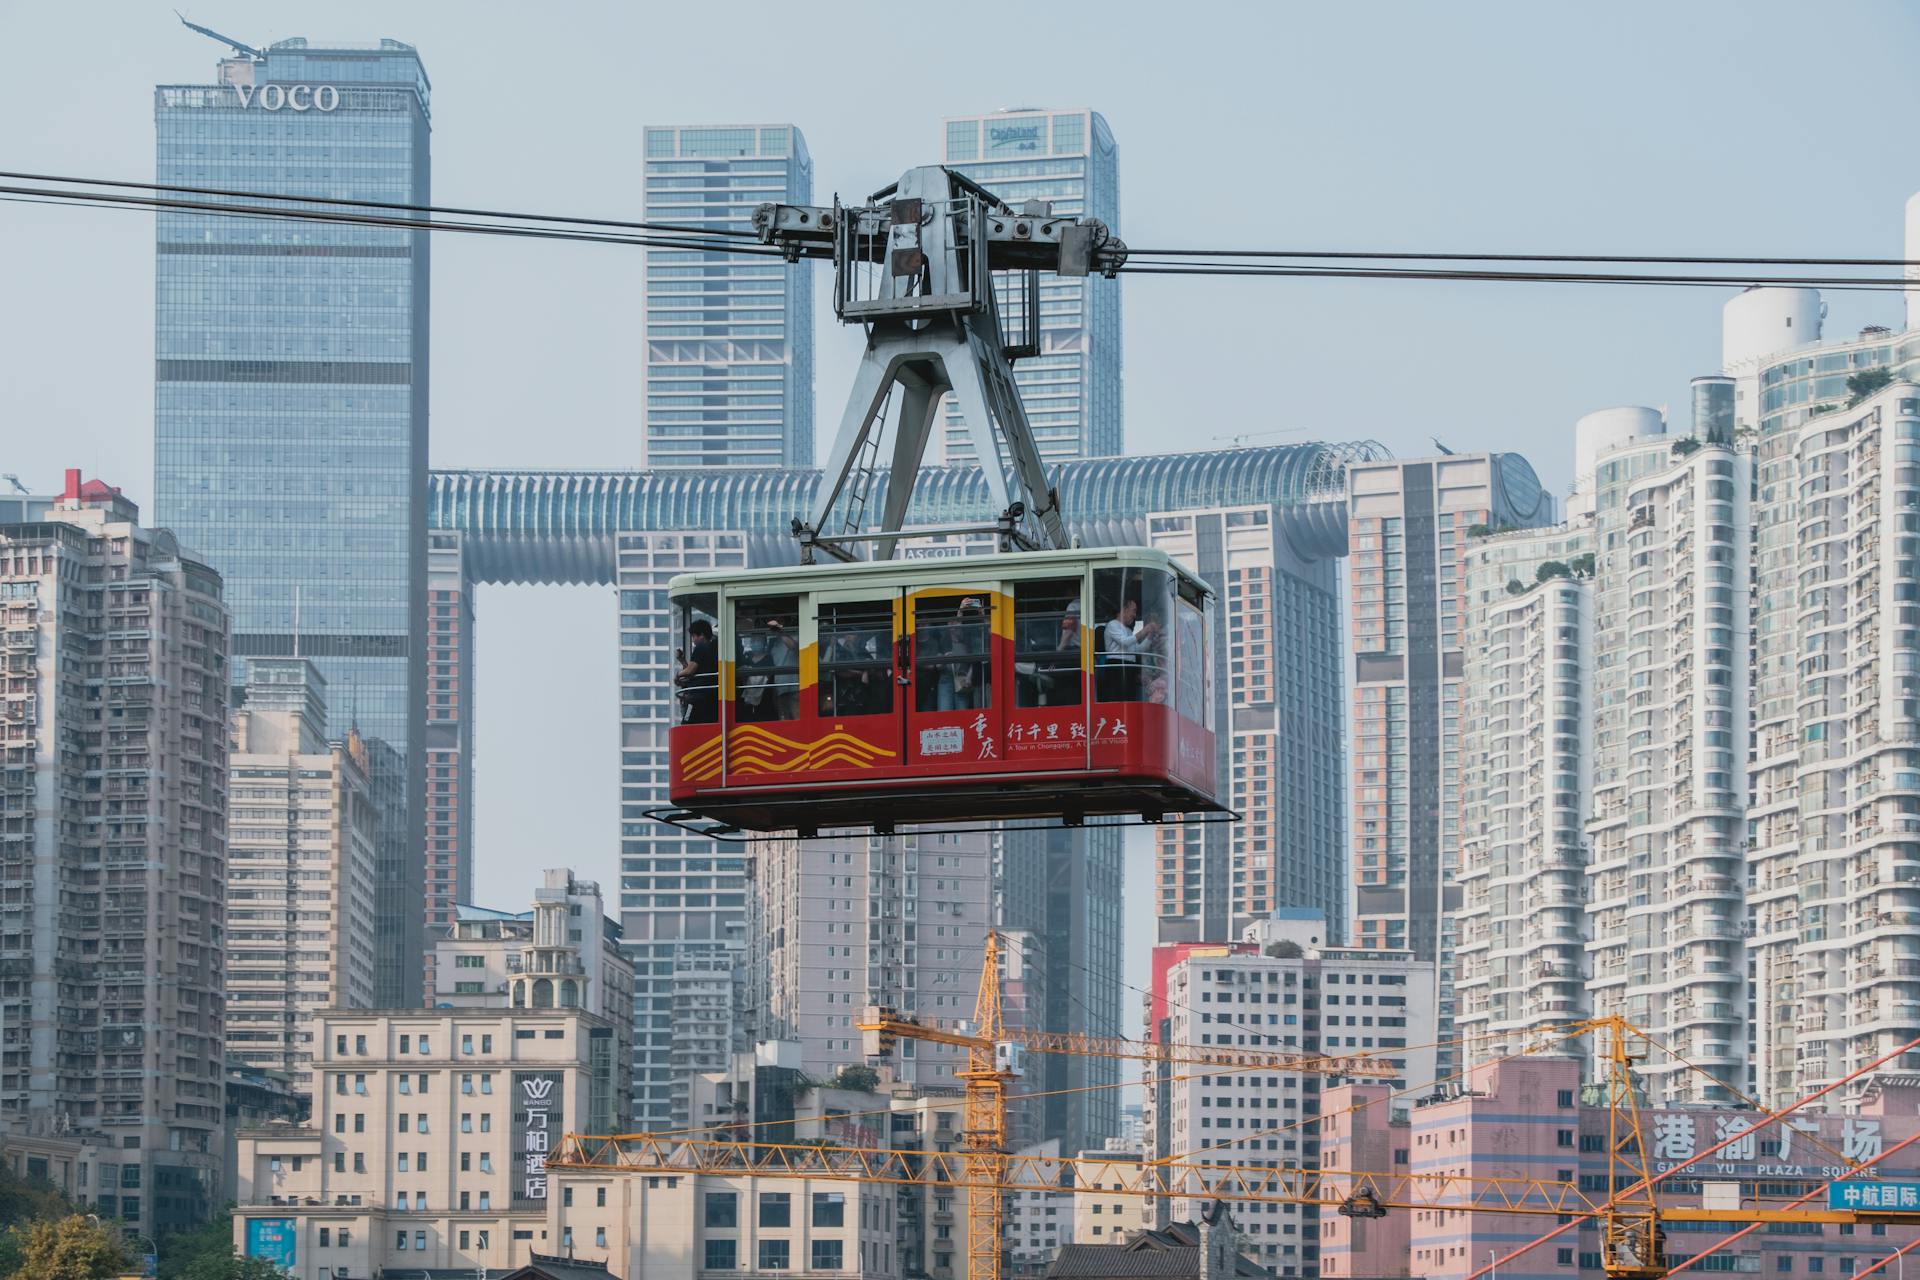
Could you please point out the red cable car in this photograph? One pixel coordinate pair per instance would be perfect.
(1056, 685)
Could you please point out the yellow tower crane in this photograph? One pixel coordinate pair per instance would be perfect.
(1630, 1217)
(993, 1062)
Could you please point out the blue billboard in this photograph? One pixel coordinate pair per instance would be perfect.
(1900, 1197)
(272, 1239)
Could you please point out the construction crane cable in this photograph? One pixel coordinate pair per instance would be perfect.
(1901, 1252)
(1647, 1184)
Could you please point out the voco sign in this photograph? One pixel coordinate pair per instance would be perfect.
(289, 97)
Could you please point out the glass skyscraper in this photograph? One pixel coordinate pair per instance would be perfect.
(1072, 388)
(291, 400)
(729, 364)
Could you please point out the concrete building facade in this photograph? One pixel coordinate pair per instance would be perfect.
(1278, 725)
(1408, 539)
(1290, 992)
(113, 849)
(301, 844)
(449, 740)
(840, 925)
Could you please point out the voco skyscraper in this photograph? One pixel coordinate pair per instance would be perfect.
(290, 417)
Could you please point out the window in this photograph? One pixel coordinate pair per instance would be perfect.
(1047, 643)
(486, 1197)
(486, 1044)
(402, 1158)
(776, 1209)
(696, 660)
(406, 1043)
(767, 659)
(326, 1237)
(400, 1241)
(346, 1237)
(466, 1122)
(856, 657)
(952, 652)
(485, 1237)
(722, 1209)
(359, 1162)
(599, 1197)
(828, 1255)
(486, 1122)
(420, 1241)
(566, 1197)
(464, 1237)
(466, 1046)
(1130, 620)
(722, 1255)
(773, 1255)
(829, 1209)
(600, 1236)
(1563, 1137)
(360, 1045)
(469, 962)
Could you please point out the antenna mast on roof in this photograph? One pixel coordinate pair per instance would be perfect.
(245, 49)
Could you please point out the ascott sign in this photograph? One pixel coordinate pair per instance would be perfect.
(289, 97)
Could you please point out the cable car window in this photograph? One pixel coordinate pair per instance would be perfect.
(856, 658)
(1131, 606)
(1190, 666)
(766, 674)
(953, 664)
(696, 661)
(1046, 643)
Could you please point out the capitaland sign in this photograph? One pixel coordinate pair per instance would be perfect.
(289, 97)
(1013, 137)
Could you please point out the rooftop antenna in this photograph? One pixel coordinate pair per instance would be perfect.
(1442, 448)
(246, 49)
(14, 480)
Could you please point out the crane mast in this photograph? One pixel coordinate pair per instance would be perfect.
(916, 266)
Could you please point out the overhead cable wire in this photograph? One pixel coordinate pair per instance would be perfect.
(1373, 255)
(390, 205)
(209, 208)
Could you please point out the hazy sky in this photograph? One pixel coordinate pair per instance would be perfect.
(1755, 128)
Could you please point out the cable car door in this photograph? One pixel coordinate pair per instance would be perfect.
(957, 652)
(854, 694)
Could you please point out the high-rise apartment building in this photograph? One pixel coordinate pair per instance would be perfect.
(1605, 735)
(1834, 863)
(841, 925)
(290, 400)
(449, 736)
(1288, 992)
(1409, 526)
(113, 849)
(300, 871)
(729, 355)
(1829, 860)
(1665, 880)
(1277, 729)
(1526, 786)
(1072, 388)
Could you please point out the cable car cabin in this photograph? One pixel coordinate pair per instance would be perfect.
(1034, 685)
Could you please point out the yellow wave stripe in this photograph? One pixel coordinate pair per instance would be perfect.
(752, 748)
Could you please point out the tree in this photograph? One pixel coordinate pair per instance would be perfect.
(70, 1248)
(1685, 445)
(1552, 569)
(858, 1079)
(1478, 530)
(206, 1253)
(1582, 565)
(29, 1199)
(1864, 383)
(1516, 587)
